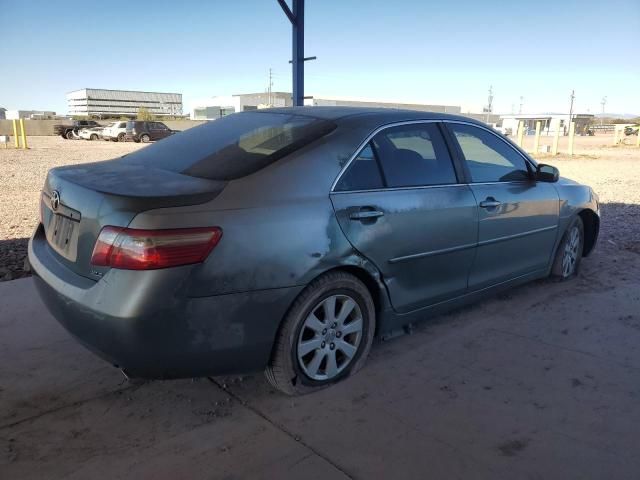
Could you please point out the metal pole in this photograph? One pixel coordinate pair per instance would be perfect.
(603, 102)
(23, 134)
(490, 103)
(16, 139)
(571, 106)
(297, 58)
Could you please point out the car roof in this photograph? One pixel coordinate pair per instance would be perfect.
(382, 114)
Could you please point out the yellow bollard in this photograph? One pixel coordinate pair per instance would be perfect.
(615, 135)
(556, 138)
(16, 139)
(520, 132)
(572, 132)
(638, 139)
(536, 142)
(23, 134)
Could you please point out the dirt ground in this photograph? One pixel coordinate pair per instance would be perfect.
(538, 383)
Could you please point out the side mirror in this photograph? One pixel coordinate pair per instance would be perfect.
(547, 173)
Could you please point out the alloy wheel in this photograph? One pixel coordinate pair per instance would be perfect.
(330, 337)
(571, 253)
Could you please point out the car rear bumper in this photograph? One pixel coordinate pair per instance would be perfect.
(151, 328)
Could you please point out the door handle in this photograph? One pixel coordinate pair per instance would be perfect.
(366, 215)
(490, 203)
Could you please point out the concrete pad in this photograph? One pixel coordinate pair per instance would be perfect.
(41, 367)
(540, 382)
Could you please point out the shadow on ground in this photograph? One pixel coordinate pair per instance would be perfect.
(13, 253)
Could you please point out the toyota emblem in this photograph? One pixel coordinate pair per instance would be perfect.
(55, 199)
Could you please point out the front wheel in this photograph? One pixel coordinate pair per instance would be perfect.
(121, 137)
(93, 137)
(325, 337)
(69, 135)
(569, 254)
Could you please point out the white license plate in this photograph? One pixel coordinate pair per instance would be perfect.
(62, 235)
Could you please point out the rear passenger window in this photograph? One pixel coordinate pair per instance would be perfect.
(363, 173)
(488, 157)
(414, 155)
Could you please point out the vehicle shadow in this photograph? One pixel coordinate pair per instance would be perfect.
(13, 254)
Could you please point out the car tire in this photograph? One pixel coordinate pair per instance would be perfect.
(69, 135)
(93, 137)
(566, 263)
(121, 137)
(305, 349)
(144, 138)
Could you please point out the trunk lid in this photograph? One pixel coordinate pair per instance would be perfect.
(77, 201)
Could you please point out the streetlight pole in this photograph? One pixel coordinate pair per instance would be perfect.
(603, 103)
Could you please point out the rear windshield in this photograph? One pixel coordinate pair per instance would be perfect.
(233, 146)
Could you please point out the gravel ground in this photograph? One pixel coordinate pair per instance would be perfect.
(613, 172)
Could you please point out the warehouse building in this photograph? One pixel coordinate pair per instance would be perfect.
(216, 107)
(334, 102)
(96, 102)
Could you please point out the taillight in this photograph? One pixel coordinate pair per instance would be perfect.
(136, 249)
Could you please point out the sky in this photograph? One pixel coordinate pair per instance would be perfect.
(435, 52)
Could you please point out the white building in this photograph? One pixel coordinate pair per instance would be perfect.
(338, 102)
(104, 103)
(551, 122)
(29, 114)
(216, 107)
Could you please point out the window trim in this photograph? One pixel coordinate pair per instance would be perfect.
(381, 128)
(530, 163)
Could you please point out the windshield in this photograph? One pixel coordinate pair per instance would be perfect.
(233, 146)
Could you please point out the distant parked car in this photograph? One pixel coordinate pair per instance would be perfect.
(70, 132)
(115, 131)
(632, 130)
(93, 133)
(142, 131)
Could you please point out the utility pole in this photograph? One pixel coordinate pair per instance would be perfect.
(490, 102)
(521, 103)
(572, 98)
(269, 89)
(603, 103)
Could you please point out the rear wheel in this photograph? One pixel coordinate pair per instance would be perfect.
(325, 337)
(144, 138)
(93, 137)
(69, 135)
(569, 254)
(121, 137)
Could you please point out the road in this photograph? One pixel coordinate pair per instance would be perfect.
(541, 382)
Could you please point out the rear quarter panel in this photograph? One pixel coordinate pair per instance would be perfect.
(279, 226)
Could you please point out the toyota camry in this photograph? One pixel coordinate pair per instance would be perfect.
(284, 240)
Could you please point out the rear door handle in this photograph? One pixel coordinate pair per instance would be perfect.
(490, 203)
(366, 215)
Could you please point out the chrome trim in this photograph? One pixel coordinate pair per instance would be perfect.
(416, 256)
(516, 235)
(391, 189)
(363, 144)
(367, 140)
